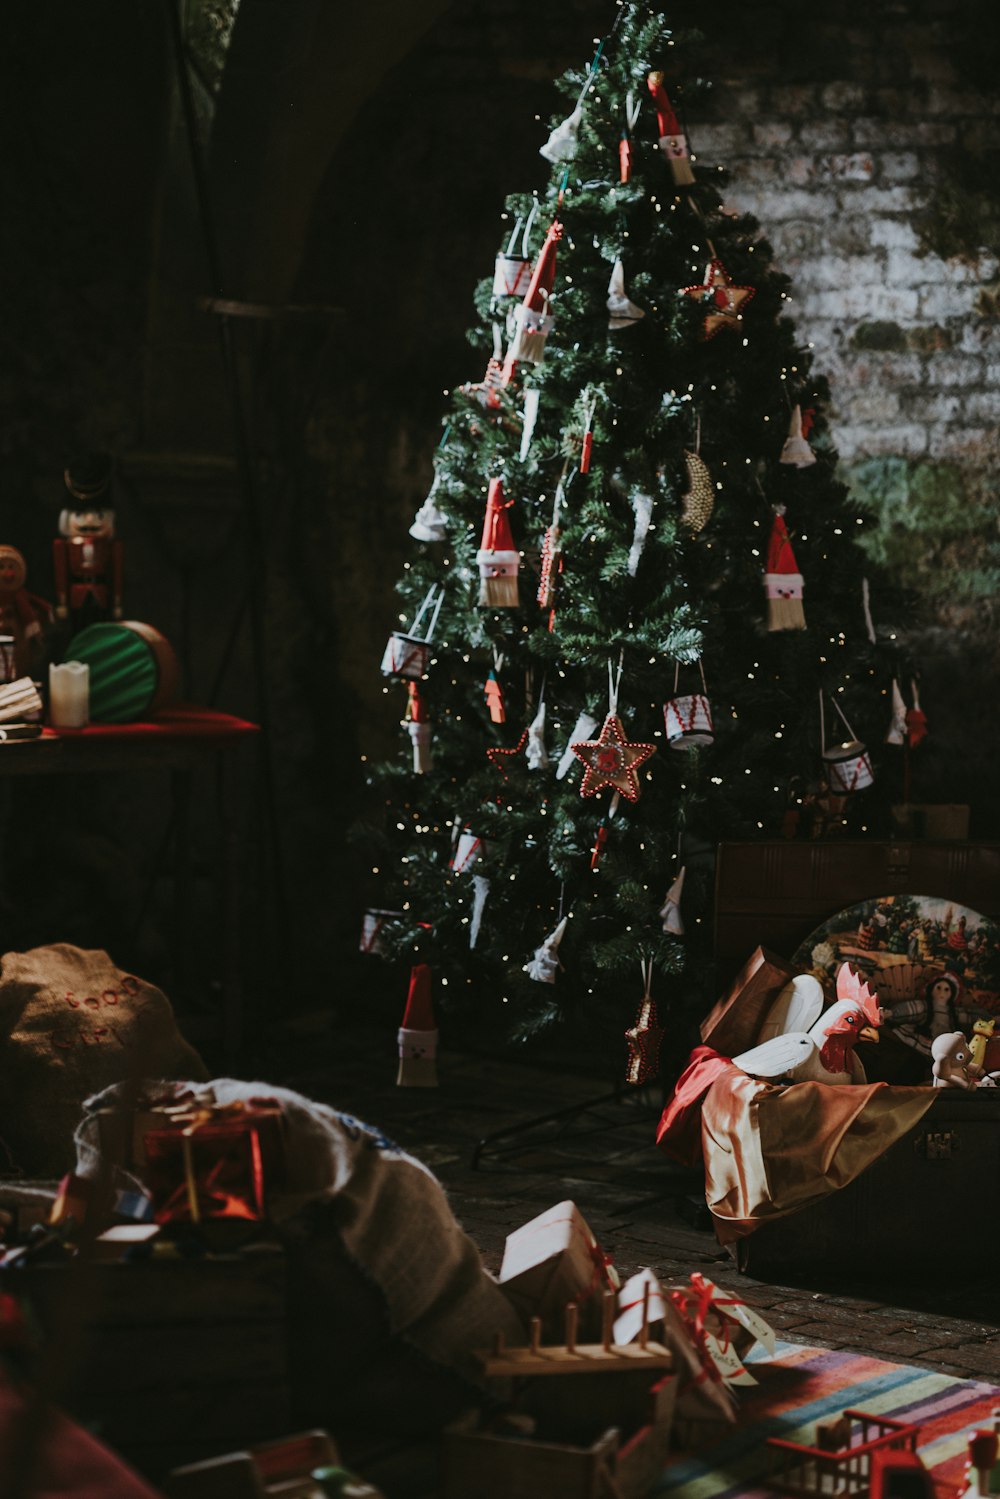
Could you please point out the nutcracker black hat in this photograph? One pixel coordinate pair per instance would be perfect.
(88, 477)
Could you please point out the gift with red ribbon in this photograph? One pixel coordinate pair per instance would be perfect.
(709, 1330)
(553, 1260)
(206, 1162)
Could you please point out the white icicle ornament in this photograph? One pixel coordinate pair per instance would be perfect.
(670, 911)
(545, 964)
(642, 504)
(585, 726)
(480, 890)
(536, 753)
(897, 727)
(622, 311)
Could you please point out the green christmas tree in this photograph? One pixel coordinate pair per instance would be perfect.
(605, 505)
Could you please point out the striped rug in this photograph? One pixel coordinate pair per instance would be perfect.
(801, 1386)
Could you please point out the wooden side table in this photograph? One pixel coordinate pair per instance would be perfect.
(178, 740)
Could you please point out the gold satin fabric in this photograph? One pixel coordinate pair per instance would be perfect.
(770, 1150)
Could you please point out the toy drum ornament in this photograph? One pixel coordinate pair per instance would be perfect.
(469, 850)
(371, 929)
(133, 669)
(405, 656)
(848, 766)
(511, 275)
(688, 718)
(8, 665)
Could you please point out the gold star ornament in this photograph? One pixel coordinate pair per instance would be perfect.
(612, 760)
(723, 302)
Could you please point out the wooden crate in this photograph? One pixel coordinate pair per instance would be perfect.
(168, 1361)
(500, 1467)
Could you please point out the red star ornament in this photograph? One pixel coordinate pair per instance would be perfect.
(612, 760)
(644, 1041)
(502, 757)
(722, 300)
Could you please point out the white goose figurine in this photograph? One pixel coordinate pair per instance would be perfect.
(821, 1049)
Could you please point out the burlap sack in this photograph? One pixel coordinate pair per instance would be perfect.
(71, 1023)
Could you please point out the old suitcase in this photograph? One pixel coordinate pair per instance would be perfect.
(929, 1194)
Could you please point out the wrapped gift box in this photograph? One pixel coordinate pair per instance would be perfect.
(553, 1260)
(733, 1024)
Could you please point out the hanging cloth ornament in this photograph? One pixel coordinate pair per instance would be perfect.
(688, 719)
(537, 754)
(545, 964)
(487, 390)
(642, 505)
(783, 583)
(418, 725)
(916, 719)
(480, 890)
(796, 450)
(408, 655)
(497, 557)
(494, 692)
(533, 322)
(673, 142)
(418, 1034)
(562, 142)
(847, 764)
(611, 759)
(722, 300)
(622, 311)
(698, 500)
(645, 1037)
(430, 523)
(632, 107)
(896, 733)
(512, 271)
(670, 911)
(584, 726)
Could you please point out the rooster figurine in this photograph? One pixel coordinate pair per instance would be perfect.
(822, 1051)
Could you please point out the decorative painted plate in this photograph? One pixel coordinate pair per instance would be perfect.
(934, 964)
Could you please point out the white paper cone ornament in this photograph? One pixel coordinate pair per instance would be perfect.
(545, 964)
(561, 144)
(537, 754)
(642, 504)
(796, 450)
(897, 726)
(670, 911)
(585, 726)
(469, 849)
(622, 311)
(480, 890)
(430, 523)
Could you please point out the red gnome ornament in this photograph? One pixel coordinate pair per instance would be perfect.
(673, 142)
(418, 1034)
(498, 558)
(533, 321)
(783, 583)
(87, 560)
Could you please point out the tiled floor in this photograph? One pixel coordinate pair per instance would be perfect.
(642, 1210)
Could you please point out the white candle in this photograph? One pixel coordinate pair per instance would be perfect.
(69, 695)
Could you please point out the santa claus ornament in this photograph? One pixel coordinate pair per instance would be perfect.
(533, 321)
(688, 718)
(418, 1034)
(645, 1037)
(612, 760)
(673, 142)
(796, 450)
(723, 302)
(848, 767)
(408, 654)
(498, 558)
(783, 583)
(632, 108)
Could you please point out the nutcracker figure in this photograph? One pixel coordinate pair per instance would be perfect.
(87, 560)
(20, 615)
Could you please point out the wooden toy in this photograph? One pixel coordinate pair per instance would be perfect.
(839, 1465)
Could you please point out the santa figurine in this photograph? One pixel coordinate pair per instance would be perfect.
(87, 560)
(20, 618)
